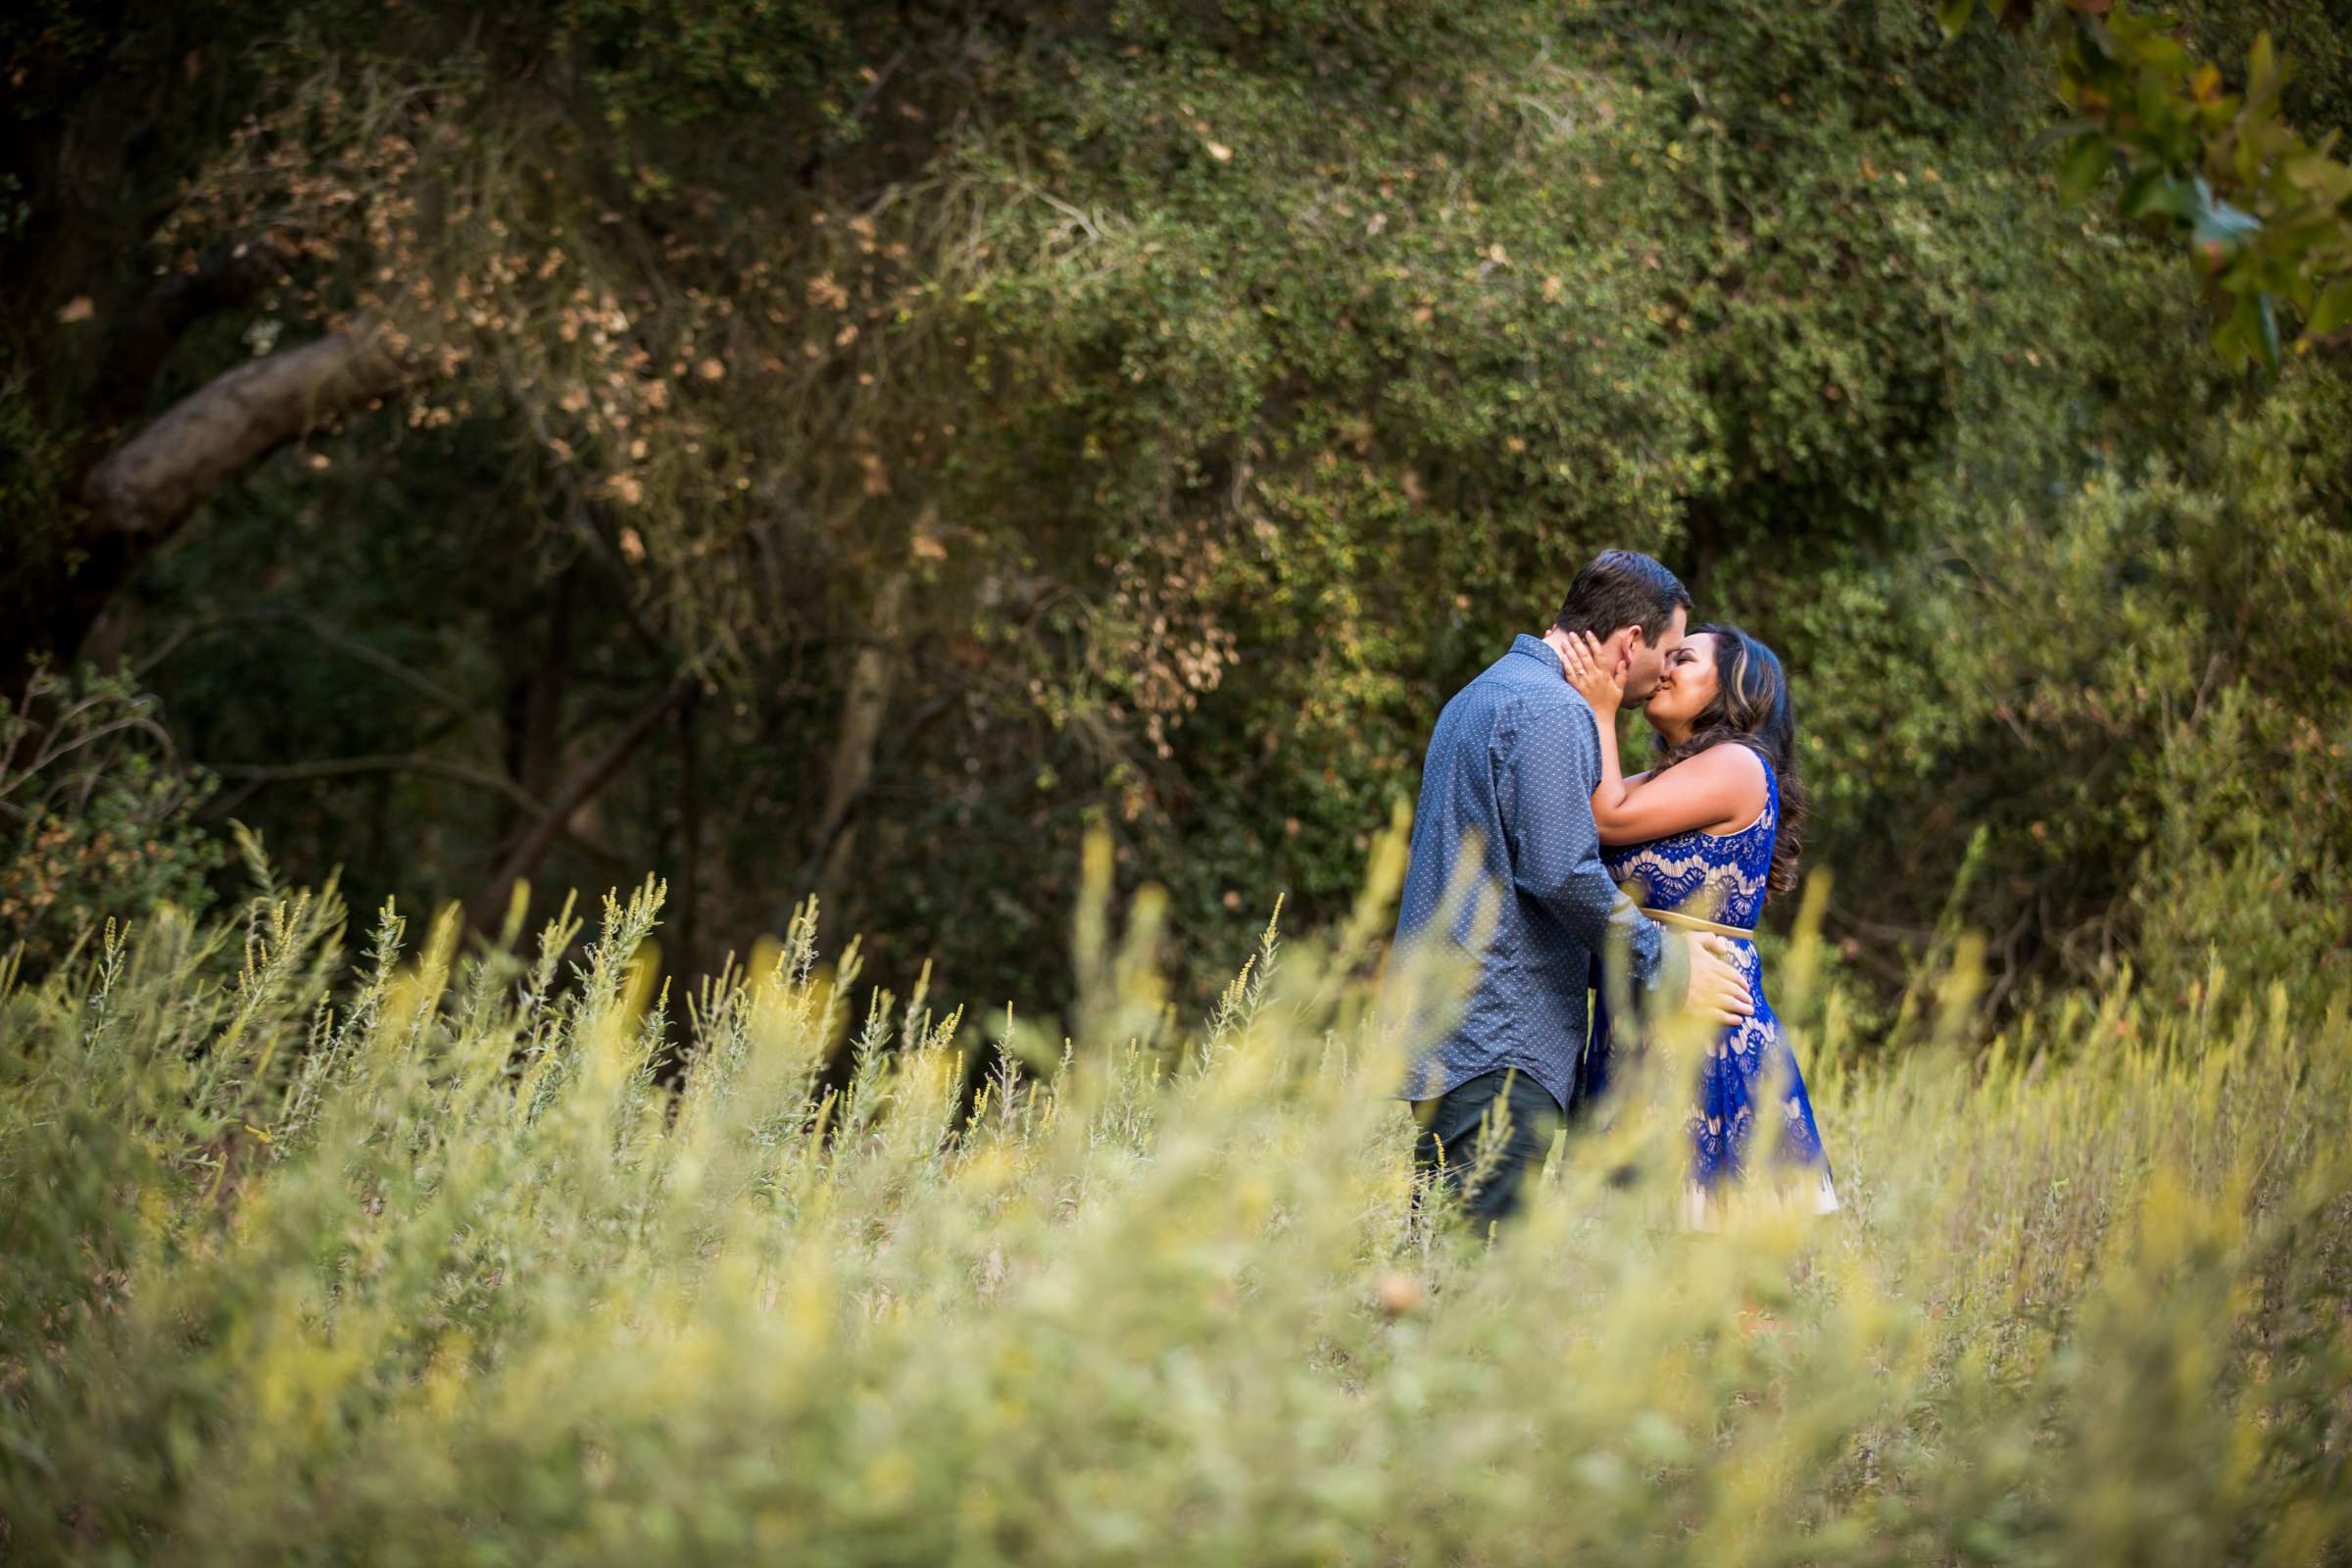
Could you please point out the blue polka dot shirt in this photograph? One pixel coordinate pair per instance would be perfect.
(1504, 842)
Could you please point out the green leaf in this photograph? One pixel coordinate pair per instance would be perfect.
(2250, 336)
(2262, 69)
(2332, 310)
(2156, 194)
(2237, 337)
(2084, 165)
(2248, 159)
(1954, 15)
(2319, 178)
(2159, 55)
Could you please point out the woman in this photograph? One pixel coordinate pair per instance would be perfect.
(1708, 834)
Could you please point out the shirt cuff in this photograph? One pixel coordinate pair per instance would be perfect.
(1670, 976)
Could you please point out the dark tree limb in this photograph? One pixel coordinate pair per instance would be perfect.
(326, 632)
(253, 776)
(480, 778)
(536, 678)
(525, 858)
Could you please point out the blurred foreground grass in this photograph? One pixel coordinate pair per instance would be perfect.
(428, 1267)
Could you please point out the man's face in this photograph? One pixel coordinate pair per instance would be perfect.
(1649, 659)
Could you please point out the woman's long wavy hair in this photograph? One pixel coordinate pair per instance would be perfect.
(1751, 706)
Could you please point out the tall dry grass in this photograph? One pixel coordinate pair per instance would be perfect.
(429, 1267)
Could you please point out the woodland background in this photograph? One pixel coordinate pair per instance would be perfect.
(852, 448)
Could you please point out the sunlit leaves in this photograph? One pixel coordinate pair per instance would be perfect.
(2262, 210)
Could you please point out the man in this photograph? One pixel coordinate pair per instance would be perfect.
(1509, 780)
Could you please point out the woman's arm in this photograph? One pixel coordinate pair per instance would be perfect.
(1720, 790)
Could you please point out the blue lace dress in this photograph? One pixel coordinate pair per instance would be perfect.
(1720, 877)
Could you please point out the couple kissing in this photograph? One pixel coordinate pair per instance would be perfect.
(1570, 864)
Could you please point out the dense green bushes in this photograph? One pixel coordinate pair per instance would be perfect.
(430, 1268)
(1150, 414)
(2139, 696)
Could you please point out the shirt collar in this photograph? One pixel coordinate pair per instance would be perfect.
(1535, 648)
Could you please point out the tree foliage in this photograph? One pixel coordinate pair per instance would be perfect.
(2262, 209)
(857, 451)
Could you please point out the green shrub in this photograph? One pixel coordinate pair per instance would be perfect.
(95, 815)
(2146, 697)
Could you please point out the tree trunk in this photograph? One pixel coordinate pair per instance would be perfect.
(690, 843)
(536, 679)
(863, 707)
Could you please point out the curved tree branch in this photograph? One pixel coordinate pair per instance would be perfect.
(152, 482)
(390, 762)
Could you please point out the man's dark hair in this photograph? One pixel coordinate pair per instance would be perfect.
(1622, 588)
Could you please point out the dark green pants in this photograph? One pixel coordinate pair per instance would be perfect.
(1457, 1121)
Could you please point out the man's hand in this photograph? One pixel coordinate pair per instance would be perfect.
(1716, 990)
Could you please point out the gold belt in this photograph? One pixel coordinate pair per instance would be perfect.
(1691, 923)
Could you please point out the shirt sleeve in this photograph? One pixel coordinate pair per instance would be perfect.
(1547, 767)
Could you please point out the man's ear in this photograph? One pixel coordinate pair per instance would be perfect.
(1623, 642)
